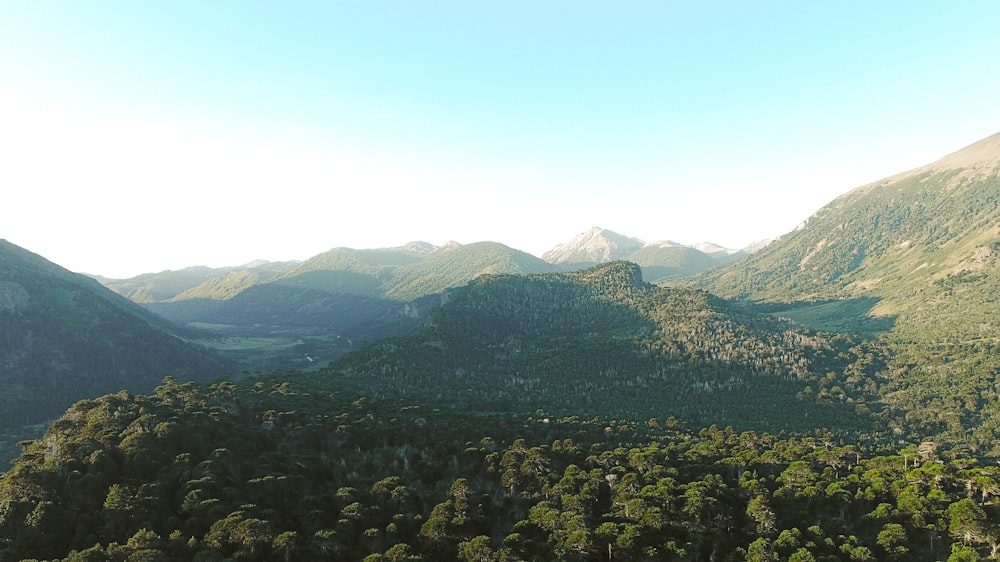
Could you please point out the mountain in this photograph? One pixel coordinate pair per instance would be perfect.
(921, 243)
(713, 249)
(601, 341)
(354, 272)
(662, 259)
(723, 255)
(915, 257)
(667, 259)
(155, 287)
(368, 262)
(594, 246)
(65, 337)
(454, 264)
(196, 282)
(232, 281)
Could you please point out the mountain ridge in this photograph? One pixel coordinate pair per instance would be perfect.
(67, 337)
(526, 341)
(913, 260)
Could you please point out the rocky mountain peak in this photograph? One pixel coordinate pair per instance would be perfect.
(596, 245)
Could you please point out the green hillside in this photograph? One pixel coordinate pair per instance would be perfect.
(232, 282)
(370, 262)
(65, 337)
(602, 342)
(663, 261)
(921, 242)
(454, 265)
(915, 258)
(165, 285)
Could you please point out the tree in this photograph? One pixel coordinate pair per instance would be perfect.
(761, 550)
(892, 538)
(967, 521)
(963, 553)
(476, 549)
(285, 544)
(759, 510)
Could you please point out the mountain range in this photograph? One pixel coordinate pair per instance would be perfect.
(833, 395)
(301, 312)
(659, 259)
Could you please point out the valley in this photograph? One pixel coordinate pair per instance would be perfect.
(831, 395)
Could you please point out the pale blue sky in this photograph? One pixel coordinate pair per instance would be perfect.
(142, 136)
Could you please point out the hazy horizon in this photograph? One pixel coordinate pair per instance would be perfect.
(142, 138)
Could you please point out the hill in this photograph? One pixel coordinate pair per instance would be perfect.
(65, 337)
(454, 264)
(155, 287)
(229, 282)
(913, 241)
(602, 342)
(914, 257)
(661, 260)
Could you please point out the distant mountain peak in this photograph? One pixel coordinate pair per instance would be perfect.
(416, 247)
(664, 244)
(596, 245)
(447, 246)
(713, 248)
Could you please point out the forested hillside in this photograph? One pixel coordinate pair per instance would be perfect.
(64, 337)
(915, 259)
(601, 341)
(665, 260)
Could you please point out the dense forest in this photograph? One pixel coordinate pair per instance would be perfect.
(602, 342)
(286, 468)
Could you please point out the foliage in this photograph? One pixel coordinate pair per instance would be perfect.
(602, 342)
(913, 261)
(280, 468)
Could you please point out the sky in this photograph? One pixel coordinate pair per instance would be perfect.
(146, 136)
